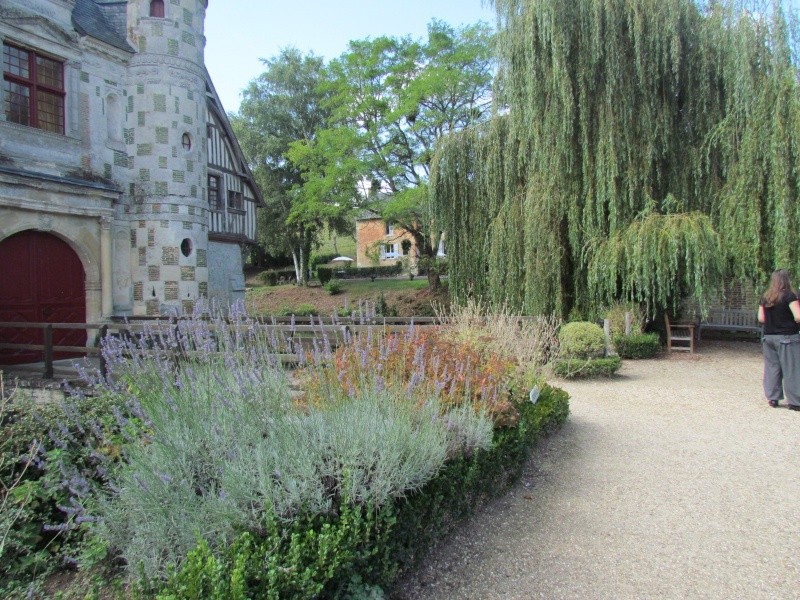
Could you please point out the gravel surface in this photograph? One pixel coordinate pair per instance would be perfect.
(674, 479)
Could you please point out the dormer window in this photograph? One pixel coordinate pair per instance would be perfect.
(157, 8)
(33, 89)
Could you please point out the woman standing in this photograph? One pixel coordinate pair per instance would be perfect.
(779, 312)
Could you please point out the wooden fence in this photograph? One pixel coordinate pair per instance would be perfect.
(290, 332)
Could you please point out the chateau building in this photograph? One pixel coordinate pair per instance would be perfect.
(123, 190)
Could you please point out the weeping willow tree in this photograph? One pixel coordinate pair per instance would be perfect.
(647, 148)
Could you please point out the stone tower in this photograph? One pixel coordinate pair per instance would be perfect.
(166, 117)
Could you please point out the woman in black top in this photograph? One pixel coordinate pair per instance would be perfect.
(779, 312)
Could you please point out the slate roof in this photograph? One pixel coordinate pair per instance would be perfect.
(88, 19)
(366, 215)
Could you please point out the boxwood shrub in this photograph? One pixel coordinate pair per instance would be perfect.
(582, 339)
(575, 368)
(359, 551)
(640, 345)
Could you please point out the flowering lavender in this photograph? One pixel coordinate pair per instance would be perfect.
(205, 436)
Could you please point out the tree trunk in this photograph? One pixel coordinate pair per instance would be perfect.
(429, 261)
(297, 259)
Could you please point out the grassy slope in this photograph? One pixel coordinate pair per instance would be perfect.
(337, 244)
(407, 297)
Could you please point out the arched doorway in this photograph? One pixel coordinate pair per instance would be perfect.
(41, 281)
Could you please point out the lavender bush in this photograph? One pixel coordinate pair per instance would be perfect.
(219, 445)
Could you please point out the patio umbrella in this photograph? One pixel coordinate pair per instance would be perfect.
(342, 259)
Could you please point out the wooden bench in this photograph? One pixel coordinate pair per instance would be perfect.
(731, 319)
(681, 335)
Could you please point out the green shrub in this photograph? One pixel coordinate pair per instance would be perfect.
(301, 310)
(225, 448)
(582, 339)
(642, 345)
(324, 274)
(616, 316)
(586, 368)
(427, 264)
(383, 308)
(48, 450)
(269, 278)
(333, 287)
(247, 494)
(361, 549)
(350, 272)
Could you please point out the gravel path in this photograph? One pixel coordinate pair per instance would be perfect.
(672, 480)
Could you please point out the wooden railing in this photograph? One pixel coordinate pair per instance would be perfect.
(48, 349)
(290, 332)
(294, 330)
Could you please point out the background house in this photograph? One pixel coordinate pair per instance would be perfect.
(123, 190)
(382, 240)
(386, 241)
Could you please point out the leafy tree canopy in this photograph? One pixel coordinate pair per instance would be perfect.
(286, 103)
(391, 99)
(649, 147)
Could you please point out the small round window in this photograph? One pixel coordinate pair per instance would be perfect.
(186, 141)
(186, 247)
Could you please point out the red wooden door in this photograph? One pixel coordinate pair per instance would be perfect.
(41, 281)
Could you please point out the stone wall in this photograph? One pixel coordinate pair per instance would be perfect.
(226, 277)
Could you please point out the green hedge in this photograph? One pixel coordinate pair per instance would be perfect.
(269, 278)
(349, 272)
(276, 276)
(640, 345)
(320, 259)
(359, 551)
(576, 368)
(324, 274)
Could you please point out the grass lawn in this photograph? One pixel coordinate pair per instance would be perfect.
(407, 297)
(343, 245)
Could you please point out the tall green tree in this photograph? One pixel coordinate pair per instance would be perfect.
(649, 148)
(285, 104)
(391, 100)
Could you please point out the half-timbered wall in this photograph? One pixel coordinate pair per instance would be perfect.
(231, 218)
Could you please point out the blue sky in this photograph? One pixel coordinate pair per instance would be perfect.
(240, 32)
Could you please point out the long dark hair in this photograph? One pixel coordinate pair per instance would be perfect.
(779, 284)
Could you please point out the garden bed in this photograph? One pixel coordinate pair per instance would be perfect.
(252, 486)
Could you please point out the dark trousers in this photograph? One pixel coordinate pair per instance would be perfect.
(782, 367)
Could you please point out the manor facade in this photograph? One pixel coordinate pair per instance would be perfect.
(123, 190)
